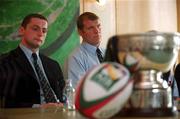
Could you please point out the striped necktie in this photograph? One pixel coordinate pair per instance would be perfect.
(44, 84)
(99, 55)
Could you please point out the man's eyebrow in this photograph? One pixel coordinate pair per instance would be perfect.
(39, 26)
(35, 25)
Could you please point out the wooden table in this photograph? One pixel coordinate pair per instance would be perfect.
(55, 113)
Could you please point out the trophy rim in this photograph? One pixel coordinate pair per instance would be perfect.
(151, 33)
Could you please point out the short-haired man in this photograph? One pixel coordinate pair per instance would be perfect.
(27, 77)
(88, 54)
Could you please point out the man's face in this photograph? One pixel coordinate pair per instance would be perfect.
(33, 36)
(91, 32)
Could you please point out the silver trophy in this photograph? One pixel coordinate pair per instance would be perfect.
(147, 56)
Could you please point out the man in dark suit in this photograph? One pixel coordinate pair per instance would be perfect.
(19, 78)
(177, 77)
(170, 78)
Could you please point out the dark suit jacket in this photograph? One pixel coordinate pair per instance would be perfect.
(18, 83)
(177, 76)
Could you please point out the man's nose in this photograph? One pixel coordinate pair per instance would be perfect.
(96, 30)
(40, 33)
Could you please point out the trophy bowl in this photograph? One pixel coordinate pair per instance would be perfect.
(151, 50)
(147, 56)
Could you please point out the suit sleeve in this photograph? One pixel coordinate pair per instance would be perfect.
(1, 80)
(60, 83)
(177, 76)
(7, 74)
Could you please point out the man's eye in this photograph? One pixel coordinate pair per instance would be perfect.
(90, 28)
(44, 30)
(34, 28)
(99, 26)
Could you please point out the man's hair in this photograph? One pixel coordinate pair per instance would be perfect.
(27, 18)
(85, 16)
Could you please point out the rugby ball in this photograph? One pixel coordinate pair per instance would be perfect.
(103, 90)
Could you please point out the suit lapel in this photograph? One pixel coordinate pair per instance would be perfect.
(23, 62)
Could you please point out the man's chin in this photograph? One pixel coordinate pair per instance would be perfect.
(37, 46)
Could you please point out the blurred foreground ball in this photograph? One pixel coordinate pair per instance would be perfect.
(103, 91)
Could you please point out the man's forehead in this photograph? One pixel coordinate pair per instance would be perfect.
(38, 22)
(88, 22)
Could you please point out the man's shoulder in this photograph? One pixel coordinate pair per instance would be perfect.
(47, 58)
(4, 55)
(78, 52)
(177, 67)
(7, 55)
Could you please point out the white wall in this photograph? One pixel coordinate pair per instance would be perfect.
(145, 15)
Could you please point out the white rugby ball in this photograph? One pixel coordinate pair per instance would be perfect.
(103, 90)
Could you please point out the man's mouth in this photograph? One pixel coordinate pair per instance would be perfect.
(39, 40)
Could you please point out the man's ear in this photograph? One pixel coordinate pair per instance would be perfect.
(21, 31)
(80, 32)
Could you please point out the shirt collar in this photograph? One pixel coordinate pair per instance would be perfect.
(27, 51)
(89, 47)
